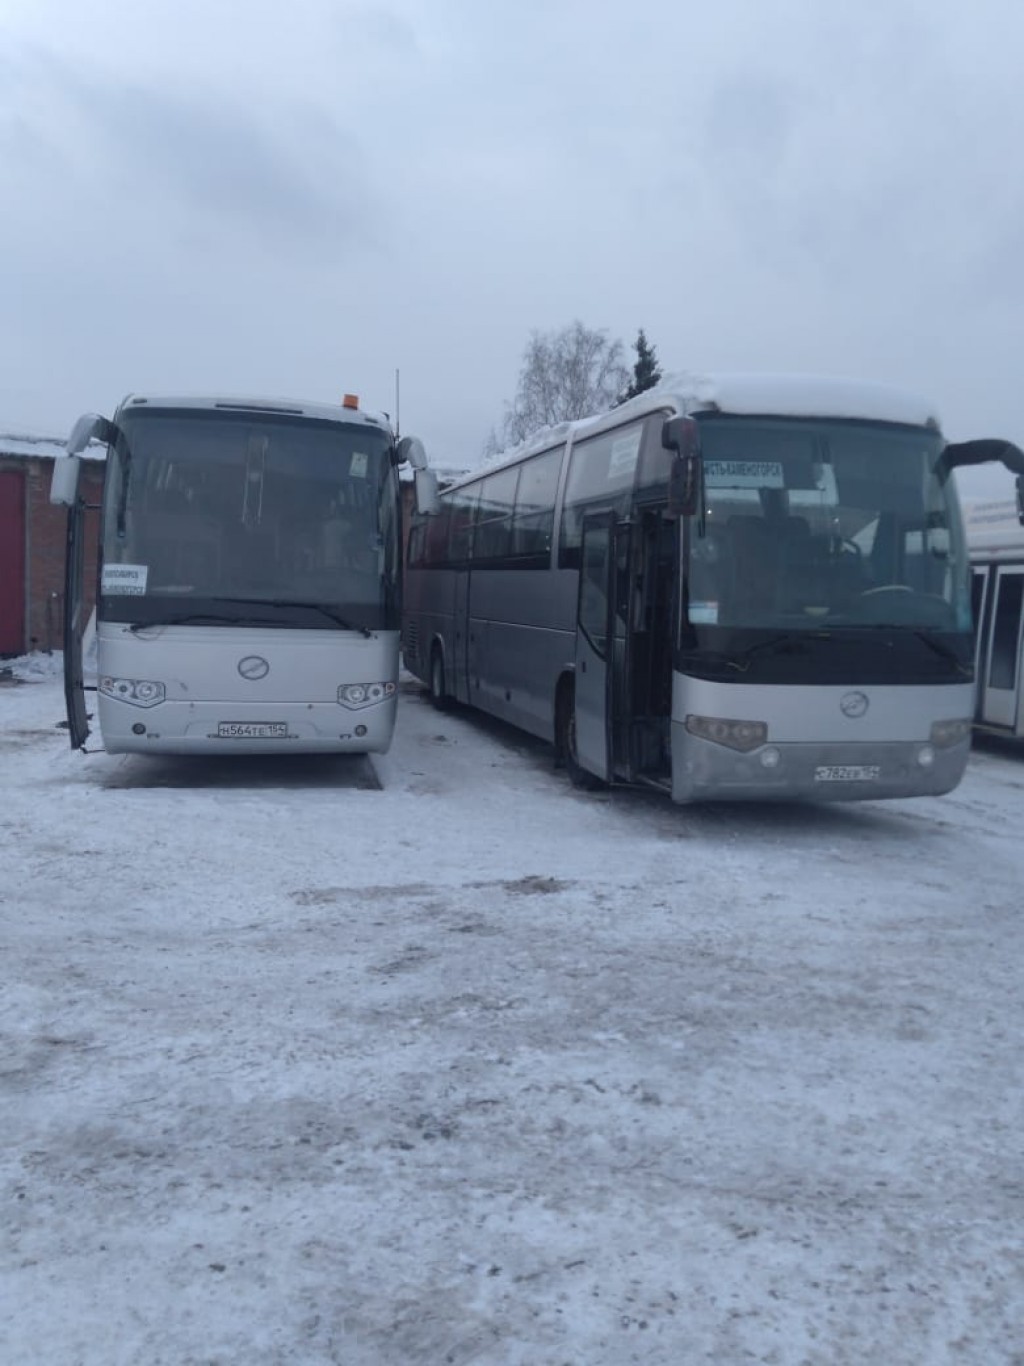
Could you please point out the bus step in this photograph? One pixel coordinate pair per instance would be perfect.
(649, 780)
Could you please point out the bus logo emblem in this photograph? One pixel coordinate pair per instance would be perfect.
(253, 667)
(854, 705)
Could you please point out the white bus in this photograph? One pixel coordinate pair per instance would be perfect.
(729, 587)
(249, 576)
(995, 539)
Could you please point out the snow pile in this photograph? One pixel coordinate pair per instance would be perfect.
(34, 668)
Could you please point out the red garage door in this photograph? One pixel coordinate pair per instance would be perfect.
(12, 562)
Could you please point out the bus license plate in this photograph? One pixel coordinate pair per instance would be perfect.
(252, 730)
(847, 773)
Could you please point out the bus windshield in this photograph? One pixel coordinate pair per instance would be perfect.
(249, 516)
(811, 524)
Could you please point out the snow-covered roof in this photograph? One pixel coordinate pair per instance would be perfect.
(325, 412)
(28, 446)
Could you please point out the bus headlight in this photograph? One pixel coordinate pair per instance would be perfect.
(741, 735)
(137, 692)
(356, 695)
(945, 734)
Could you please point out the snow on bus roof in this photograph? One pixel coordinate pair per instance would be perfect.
(794, 395)
(328, 412)
(760, 395)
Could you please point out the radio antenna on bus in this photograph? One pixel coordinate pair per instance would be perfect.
(398, 419)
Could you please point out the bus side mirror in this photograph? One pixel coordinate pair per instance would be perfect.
(91, 427)
(64, 483)
(410, 451)
(959, 454)
(682, 435)
(426, 493)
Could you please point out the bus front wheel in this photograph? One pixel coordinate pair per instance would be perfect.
(565, 741)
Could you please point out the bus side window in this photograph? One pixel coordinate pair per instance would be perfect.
(417, 537)
(493, 532)
(534, 516)
(462, 506)
(436, 535)
(601, 474)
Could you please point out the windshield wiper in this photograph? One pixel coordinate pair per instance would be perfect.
(926, 637)
(249, 619)
(331, 613)
(943, 651)
(199, 618)
(794, 642)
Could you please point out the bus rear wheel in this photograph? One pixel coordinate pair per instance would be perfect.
(565, 741)
(438, 692)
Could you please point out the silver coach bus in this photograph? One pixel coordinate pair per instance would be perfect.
(995, 540)
(249, 585)
(729, 587)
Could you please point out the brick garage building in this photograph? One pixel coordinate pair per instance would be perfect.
(32, 540)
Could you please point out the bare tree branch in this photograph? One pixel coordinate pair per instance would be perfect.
(565, 375)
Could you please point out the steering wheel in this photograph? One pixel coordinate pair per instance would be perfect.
(886, 588)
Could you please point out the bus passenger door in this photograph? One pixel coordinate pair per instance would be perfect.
(462, 652)
(1000, 686)
(594, 644)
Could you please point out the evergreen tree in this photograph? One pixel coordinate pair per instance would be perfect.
(646, 371)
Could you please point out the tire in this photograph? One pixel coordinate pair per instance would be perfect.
(565, 742)
(438, 689)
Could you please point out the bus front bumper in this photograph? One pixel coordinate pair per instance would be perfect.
(812, 771)
(233, 728)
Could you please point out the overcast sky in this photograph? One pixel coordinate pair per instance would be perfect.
(296, 198)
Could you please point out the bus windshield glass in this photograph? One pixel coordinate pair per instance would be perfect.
(826, 524)
(256, 517)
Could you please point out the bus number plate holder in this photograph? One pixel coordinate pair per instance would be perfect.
(847, 773)
(252, 730)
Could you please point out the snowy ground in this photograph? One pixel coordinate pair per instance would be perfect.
(435, 1060)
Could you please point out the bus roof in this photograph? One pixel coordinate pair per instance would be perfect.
(322, 412)
(792, 395)
(753, 395)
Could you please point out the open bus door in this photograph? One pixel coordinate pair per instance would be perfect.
(999, 685)
(65, 490)
(74, 626)
(595, 645)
